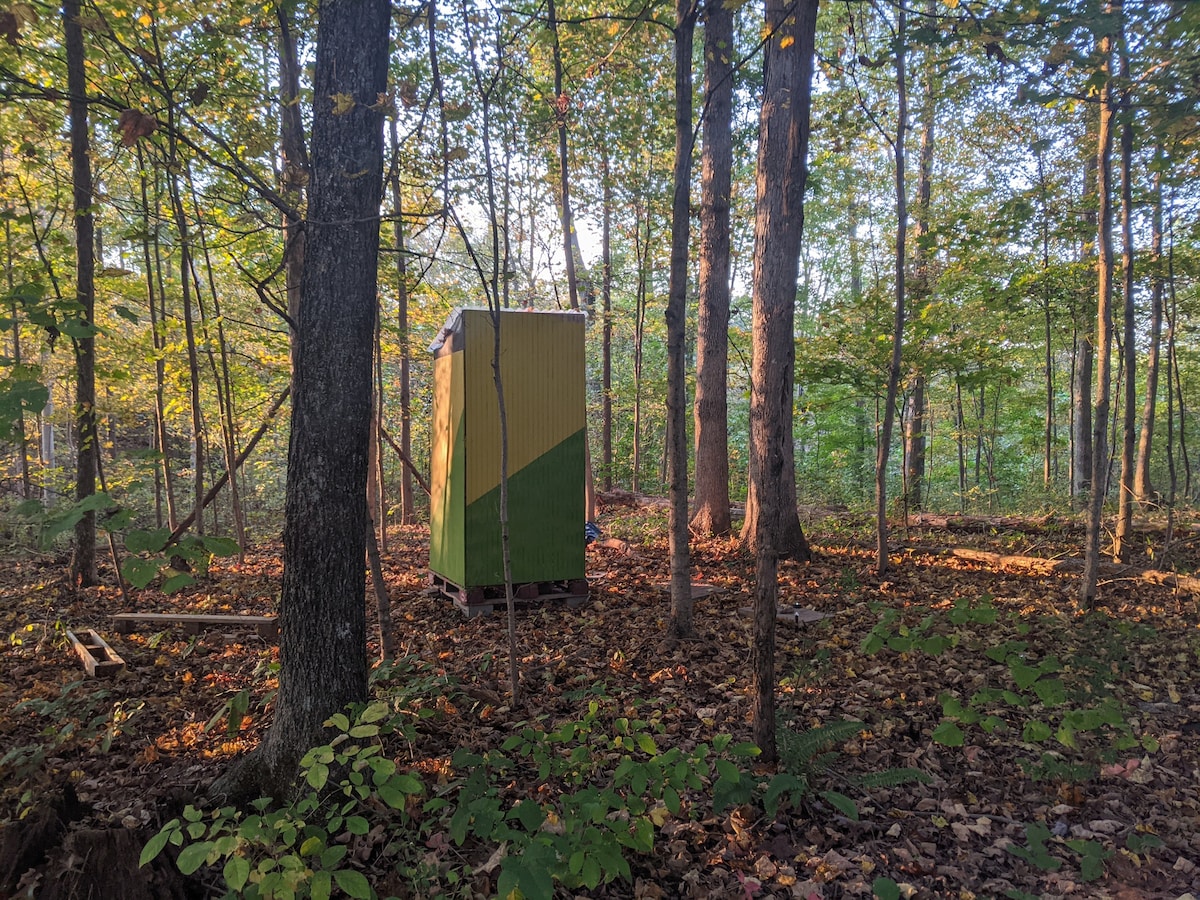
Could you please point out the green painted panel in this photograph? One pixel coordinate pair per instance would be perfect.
(546, 511)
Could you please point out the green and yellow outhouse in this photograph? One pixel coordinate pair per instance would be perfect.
(542, 372)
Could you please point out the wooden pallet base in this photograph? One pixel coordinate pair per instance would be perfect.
(98, 658)
(480, 601)
(266, 626)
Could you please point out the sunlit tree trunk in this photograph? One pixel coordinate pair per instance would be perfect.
(1085, 350)
(1143, 490)
(711, 515)
(1121, 550)
(1104, 266)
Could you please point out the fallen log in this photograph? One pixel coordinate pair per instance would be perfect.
(1036, 565)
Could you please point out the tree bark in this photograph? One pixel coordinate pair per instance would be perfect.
(711, 515)
(1085, 350)
(294, 159)
(1104, 269)
(1121, 548)
(883, 450)
(83, 559)
(1143, 490)
(606, 284)
(778, 232)
(322, 650)
(922, 288)
(680, 624)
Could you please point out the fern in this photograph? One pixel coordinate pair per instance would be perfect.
(891, 778)
(802, 752)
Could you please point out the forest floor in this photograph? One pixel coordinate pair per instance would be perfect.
(1060, 749)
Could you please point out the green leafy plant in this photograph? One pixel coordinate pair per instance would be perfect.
(300, 849)
(152, 554)
(806, 758)
(80, 718)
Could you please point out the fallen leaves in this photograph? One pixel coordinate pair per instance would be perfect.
(948, 838)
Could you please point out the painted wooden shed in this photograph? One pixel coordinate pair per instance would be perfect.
(542, 370)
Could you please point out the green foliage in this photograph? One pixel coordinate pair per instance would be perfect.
(579, 836)
(807, 757)
(1045, 698)
(1091, 854)
(152, 555)
(300, 849)
(81, 718)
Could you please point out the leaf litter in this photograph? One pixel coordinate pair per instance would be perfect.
(1060, 749)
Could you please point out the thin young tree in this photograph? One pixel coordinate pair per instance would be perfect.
(1143, 489)
(883, 449)
(680, 624)
(1104, 272)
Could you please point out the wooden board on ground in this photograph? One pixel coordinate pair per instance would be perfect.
(99, 660)
(266, 626)
(795, 615)
(699, 591)
(1035, 565)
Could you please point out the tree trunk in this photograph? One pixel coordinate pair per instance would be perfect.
(1085, 350)
(922, 288)
(83, 560)
(221, 377)
(22, 438)
(294, 159)
(408, 513)
(711, 516)
(1121, 550)
(1104, 268)
(778, 232)
(680, 624)
(189, 330)
(1143, 490)
(606, 285)
(893, 385)
(322, 648)
(159, 339)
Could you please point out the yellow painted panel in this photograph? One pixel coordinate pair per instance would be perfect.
(542, 370)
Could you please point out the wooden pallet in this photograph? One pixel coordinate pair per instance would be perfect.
(266, 626)
(482, 600)
(99, 660)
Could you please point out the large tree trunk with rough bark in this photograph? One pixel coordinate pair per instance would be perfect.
(778, 230)
(711, 514)
(322, 649)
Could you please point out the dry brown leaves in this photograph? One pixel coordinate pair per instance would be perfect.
(947, 838)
